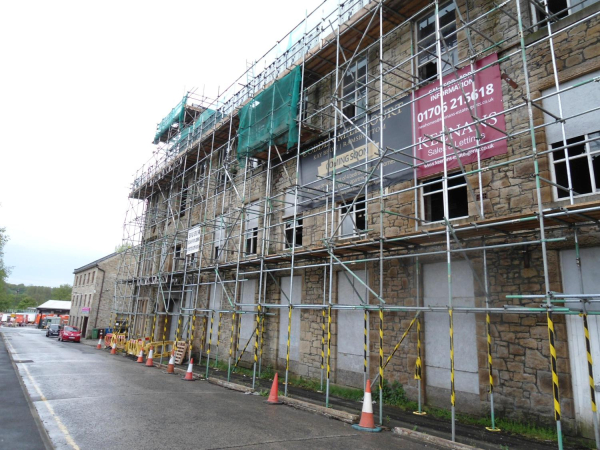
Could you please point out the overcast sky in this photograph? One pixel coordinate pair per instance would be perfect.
(83, 85)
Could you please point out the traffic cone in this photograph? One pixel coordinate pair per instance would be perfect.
(113, 350)
(99, 346)
(171, 366)
(367, 421)
(188, 374)
(149, 361)
(141, 356)
(273, 396)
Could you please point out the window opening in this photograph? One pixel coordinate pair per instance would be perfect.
(251, 229)
(354, 89)
(355, 221)
(560, 9)
(220, 232)
(183, 204)
(433, 199)
(426, 43)
(583, 163)
(293, 228)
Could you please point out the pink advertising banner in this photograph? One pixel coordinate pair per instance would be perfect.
(483, 93)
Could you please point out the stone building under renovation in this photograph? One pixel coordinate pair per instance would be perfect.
(397, 191)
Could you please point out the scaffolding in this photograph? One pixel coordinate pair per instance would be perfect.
(382, 167)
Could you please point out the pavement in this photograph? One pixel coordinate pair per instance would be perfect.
(20, 426)
(89, 399)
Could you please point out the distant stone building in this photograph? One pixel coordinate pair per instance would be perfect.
(92, 294)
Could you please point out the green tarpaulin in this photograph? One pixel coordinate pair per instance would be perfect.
(176, 115)
(270, 118)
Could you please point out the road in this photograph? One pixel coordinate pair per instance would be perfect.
(89, 399)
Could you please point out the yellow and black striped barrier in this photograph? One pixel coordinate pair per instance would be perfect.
(262, 339)
(154, 327)
(231, 345)
(590, 362)
(491, 374)
(328, 352)
(555, 387)
(365, 347)
(193, 330)
(212, 315)
(323, 320)
(452, 390)
(256, 336)
(287, 355)
(218, 339)
(380, 365)
(419, 370)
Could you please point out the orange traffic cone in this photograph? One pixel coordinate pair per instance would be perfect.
(99, 346)
(113, 350)
(149, 361)
(141, 356)
(171, 366)
(273, 396)
(367, 421)
(188, 375)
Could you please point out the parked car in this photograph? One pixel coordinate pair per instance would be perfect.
(52, 330)
(69, 333)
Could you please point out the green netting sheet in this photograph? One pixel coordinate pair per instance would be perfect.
(176, 115)
(270, 118)
(203, 123)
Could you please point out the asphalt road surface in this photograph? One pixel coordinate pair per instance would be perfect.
(89, 399)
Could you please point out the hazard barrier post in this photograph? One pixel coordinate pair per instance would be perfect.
(212, 314)
(419, 370)
(256, 346)
(591, 376)
(262, 339)
(218, 339)
(323, 319)
(489, 352)
(555, 386)
(231, 346)
(328, 355)
(380, 366)
(287, 354)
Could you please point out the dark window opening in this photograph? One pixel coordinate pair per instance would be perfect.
(251, 241)
(354, 89)
(433, 199)
(583, 163)
(354, 218)
(427, 45)
(292, 230)
(183, 205)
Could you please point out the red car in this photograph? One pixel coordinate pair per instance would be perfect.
(68, 333)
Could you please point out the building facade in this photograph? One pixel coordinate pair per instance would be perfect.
(92, 295)
(407, 188)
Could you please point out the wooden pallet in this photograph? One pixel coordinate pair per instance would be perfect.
(180, 352)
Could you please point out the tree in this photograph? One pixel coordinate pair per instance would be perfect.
(5, 300)
(63, 292)
(122, 247)
(26, 302)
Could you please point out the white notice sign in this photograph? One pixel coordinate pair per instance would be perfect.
(193, 241)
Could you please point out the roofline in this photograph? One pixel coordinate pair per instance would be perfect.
(94, 263)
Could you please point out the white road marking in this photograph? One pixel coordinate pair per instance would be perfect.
(59, 423)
